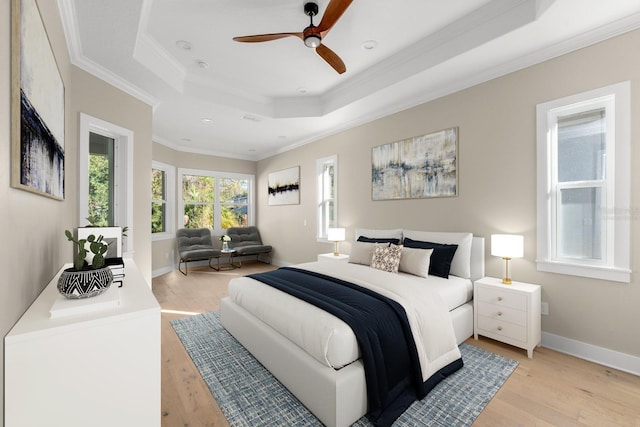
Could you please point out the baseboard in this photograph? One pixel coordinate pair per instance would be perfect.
(603, 356)
(163, 270)
(280, 263)
(203, 263)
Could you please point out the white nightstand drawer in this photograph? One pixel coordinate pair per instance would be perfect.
(505, 329)
(505, 314)
(505, 298)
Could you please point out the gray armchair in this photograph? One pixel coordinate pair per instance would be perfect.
(247, 241)
(194, 244)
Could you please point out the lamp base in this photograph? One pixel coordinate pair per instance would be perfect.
(506, 280)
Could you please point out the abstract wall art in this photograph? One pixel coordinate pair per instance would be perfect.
(284, 187)
(420, 167)
(37, 106)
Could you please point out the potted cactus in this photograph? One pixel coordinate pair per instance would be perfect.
(86, 279)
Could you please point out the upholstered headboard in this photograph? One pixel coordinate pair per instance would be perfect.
(468, 261)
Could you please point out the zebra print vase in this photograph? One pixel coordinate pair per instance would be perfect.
(75, 284)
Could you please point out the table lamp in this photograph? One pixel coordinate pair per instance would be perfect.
(507, 246)
(335, 235)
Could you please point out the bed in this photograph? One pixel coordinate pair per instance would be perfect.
(313, 353)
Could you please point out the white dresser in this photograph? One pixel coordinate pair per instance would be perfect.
(100, 367)
(507, 313)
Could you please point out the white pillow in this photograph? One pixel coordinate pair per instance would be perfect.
(361, 253)
(395, 233)
(415, 261)
(461, 263)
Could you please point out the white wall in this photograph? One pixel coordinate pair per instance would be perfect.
(497, 185)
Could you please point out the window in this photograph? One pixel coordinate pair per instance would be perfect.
(584, 184)
(162, 201)
(104, 174)
(327, 181)
(101, 180)
(215, 200)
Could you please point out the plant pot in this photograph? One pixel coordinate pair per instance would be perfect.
(76, 284)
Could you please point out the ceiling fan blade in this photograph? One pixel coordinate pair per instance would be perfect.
(331, 58)
(334, 11)
(266, 37)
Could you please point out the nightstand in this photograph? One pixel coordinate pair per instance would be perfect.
(507, 313)
(331, 257)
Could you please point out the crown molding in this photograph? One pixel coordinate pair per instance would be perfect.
(72, 36)
(169, 144)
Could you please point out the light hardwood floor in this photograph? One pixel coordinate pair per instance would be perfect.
(552, 389)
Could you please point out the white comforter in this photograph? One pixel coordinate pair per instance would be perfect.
(328, 339)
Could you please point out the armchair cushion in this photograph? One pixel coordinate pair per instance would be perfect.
(247, 241)
(195, 244)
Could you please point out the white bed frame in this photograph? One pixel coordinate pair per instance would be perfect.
(336, 397)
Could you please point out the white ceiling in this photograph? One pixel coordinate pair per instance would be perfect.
(265, 98)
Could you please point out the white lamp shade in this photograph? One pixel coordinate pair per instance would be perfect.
(336, 234)
(507, 245)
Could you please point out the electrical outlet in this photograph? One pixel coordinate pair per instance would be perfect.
(544, 308)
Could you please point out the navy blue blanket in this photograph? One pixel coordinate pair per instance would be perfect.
(389, 355)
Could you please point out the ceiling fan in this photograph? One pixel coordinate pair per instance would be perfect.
(312, 35)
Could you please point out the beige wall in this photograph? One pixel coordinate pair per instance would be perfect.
(497, 185)
(93, 96)
(33, 246)
(33, 226)
(164, 255)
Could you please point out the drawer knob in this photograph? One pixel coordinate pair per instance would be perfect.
(499, 313)
(499, 298)
(499, 328)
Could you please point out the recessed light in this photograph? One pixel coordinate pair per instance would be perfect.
(302, 90)
(251, 150)
(202, 64)
(207, 121)
(369, 45)
(183, 44)
(186, 139)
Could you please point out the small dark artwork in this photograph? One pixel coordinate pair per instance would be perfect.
(284, 187)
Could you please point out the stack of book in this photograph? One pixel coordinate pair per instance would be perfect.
(117, 268)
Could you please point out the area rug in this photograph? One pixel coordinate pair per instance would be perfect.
(249, 395)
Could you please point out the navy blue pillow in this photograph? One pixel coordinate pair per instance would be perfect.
(379, 240)
(441, 257)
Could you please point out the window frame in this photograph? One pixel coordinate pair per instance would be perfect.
(616, 215)
(321, 225)
(217, 204)
(123, 200)
(169, 202)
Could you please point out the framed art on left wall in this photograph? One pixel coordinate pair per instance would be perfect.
(37, 106)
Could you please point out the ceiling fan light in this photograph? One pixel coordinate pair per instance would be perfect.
(312, 41)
